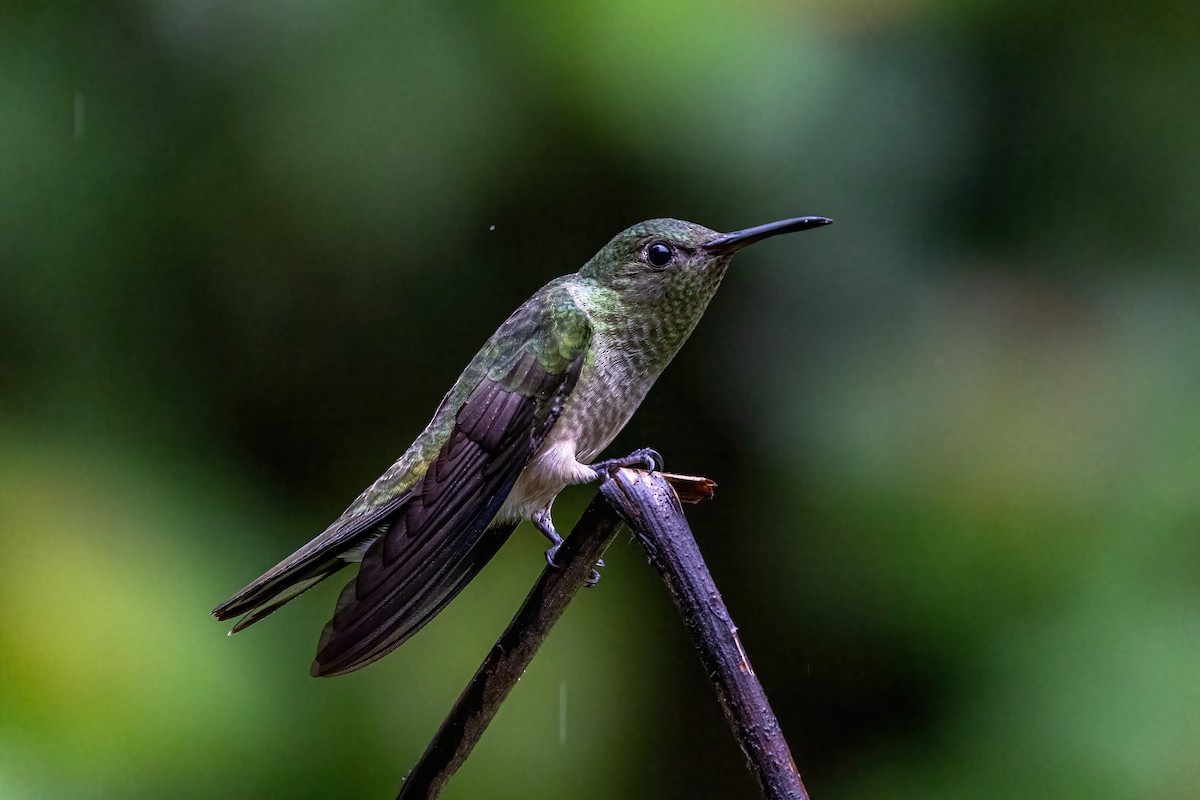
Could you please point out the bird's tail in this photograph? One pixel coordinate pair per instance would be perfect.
(272, 591)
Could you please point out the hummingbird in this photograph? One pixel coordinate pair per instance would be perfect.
(528, 416)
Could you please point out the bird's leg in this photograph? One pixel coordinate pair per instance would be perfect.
(644, 457)
(542, 520)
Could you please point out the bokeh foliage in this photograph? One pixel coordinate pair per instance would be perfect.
(245, 248)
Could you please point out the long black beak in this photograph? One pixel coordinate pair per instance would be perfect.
(732, 242)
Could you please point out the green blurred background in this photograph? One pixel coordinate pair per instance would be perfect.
(246, 247)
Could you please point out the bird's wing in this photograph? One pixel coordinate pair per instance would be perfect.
(437, 539)
(426, 515)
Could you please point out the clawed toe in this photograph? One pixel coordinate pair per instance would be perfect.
(643, 458)
(651, 458)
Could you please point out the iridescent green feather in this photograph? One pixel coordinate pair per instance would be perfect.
(550, 325)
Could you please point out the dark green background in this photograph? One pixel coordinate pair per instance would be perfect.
(246, 246)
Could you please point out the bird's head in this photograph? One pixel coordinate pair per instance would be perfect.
(665, 261)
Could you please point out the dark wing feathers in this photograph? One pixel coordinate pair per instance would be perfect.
(439, 540)
(427, 527)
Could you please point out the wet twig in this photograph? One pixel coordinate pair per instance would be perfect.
(511, 654)
(651, 506)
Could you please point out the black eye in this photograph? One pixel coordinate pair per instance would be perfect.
(659, 253)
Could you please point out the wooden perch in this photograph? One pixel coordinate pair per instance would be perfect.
(646, 502)
(650, 504)
(499, 672)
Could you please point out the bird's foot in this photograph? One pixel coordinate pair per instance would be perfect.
(594, 576)
(644, 457)
(544, 523)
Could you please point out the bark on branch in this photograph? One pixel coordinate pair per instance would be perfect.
(646, 502)
(650, 504)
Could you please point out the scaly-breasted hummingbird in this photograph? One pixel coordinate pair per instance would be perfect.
(527, 417)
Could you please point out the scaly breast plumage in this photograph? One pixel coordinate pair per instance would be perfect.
(602, 403)
(604, 399)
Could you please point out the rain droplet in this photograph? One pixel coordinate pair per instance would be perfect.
(80, 118)
(562, 713)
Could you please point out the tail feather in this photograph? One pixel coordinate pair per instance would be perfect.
(281, 584)
(288, 594)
